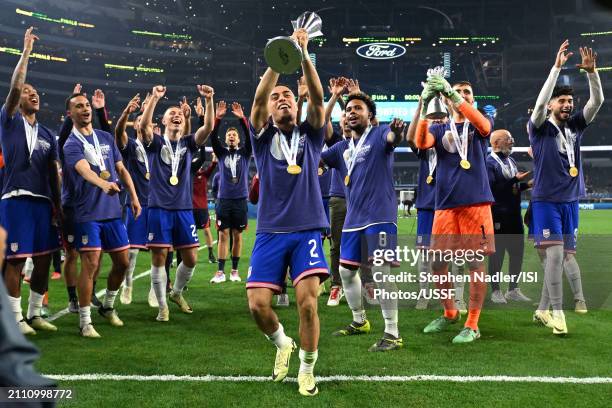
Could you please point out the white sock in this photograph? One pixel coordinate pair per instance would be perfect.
(307, 361)
(109, 299)
(34, 304)
(279, 338)
(84, 316)
(351, 283)
(159, 280)
(15, 303)
(183, 276)
(388, 306)
(132, 256)
(572, 273)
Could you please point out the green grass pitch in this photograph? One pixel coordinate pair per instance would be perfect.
(220, 338)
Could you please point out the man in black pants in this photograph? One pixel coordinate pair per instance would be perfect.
(506, 183)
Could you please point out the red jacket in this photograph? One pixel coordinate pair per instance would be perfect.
(254, 190)
(200, 186)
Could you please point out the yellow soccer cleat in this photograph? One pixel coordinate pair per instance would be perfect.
(180, 301)
(543, 317)
(281, 363)
(25, 328)
(308, 384)
(90, 332)
(354, 329)
(110, 314)
(38, 323)
(558, 323)
(163, 315)
(580, 307)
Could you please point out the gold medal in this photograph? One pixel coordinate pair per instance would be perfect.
(465, 164)
(147, 175)
(174, 180)
(105, 174)
(429, 179)
(573, 171)
(320, 171)
(347, 180)
(294, 169)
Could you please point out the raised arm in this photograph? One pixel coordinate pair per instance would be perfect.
(239, 113)
(423, 139)
(19, 74)
(538, 116)
(337, 86)
(394, 137)
(412, 127)
(209, 115)
(121, 137)
(259, 110)
(199, 109)
(98, 103)
(186, 109)
(220, 111)
(146, 122)
(596, 96)
(315, 112)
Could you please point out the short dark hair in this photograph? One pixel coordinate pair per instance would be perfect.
(286, 86)
(232, 128)
(468, 83)
(74, 95)
(365, 99)
(562, 90)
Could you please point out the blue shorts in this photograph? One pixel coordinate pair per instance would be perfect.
(555, 223)
(302, 252)
(424, 225)
(29, 228)
(136, 228)
(109, 236)
(358, 247)
(171, 228)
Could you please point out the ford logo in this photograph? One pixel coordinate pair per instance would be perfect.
(381, 51)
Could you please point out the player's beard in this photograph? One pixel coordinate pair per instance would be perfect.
(559, 116)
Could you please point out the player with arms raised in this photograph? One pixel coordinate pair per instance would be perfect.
(290, 214)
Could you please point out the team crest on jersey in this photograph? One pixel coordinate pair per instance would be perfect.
(42, 145)
(14, 246)
(84, 239)
(546, 233)
(151, 236)
(249, 272)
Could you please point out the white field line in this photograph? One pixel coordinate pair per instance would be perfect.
(334, 378)
(65, 311)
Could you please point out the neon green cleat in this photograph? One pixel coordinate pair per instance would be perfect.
(308, 384)
(388, 342)
(354, 329)
(467, 335)
(558, 323)
(440, 324)
(543, 317)
(281, 363)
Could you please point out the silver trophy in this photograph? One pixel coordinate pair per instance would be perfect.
(283, 54)
(436, 109)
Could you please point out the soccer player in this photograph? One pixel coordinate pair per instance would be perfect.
(138, 165)
(30, 193)
(232, 210)
(506, 185)
(93, 164)
(170, 220)
(371, 218)
(462, 219)
(558, 178)
(287, 157)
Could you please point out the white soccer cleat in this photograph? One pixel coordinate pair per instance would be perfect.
(126, 295)
(25, 328)
(111, 315)
(368, 294)
(234, 276)
(516, 295)
(498, 297)
(307, 384)
(282, 300)
(218, 278)
(558, 323)
(38, 323)
(336, 293)
(163, 315)
(580, 307)
(89, 331)
(153, 299)
(461, 306)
